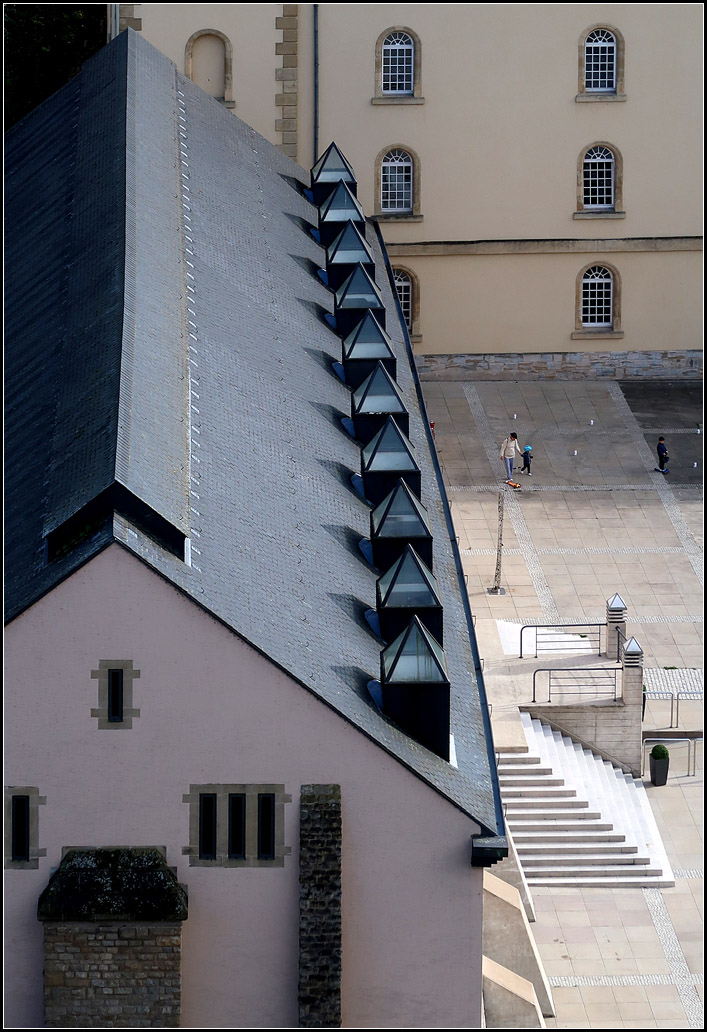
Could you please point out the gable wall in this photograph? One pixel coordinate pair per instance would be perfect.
(212, 710)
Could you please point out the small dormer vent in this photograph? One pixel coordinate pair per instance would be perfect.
(415, 687)
(349, 249)
(408, 589)
(341, 206)
(331, 168)
(357, 293)
(365, 346)
(386, 458)
(400, 519)
(374, 400)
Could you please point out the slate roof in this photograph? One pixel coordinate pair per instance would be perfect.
(166, 332)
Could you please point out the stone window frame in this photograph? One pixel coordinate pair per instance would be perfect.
(379, 97)
(381, 214)
(227, 99)
(618, 94)
(414, 327)
(35, 853)
(100, 712)
(613, 332)
(222, 792)
(615, 212)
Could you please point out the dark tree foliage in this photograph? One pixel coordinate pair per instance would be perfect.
(45, 46)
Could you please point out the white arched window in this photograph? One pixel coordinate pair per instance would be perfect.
(403, 285)
(600, 62)
(396, 182)
(398, 64)
(598, 177)
(597, 297)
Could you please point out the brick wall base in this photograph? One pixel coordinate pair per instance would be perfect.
(563, 365)
(114, 975)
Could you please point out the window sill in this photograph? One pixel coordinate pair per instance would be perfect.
(599, 214)
(599, 334)
(403, 98)
(598, 98)
(401, 217)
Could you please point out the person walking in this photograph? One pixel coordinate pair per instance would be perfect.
(527, 459)
(509, 448)
(663, 457)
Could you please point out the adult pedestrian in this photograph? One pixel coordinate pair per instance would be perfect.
(663, 457)
(509, 449)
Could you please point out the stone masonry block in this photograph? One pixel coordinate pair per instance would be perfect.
(285, 48)
(286, 23)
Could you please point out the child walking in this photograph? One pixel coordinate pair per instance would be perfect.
(663, 456)
(527, 459)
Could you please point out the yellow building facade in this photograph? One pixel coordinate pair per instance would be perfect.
(535, 168)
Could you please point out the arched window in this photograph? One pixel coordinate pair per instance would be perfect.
(407, 286)
(208, 62)
(597, 297)
(600, 182)
(398, 71)
(403, 285)
(601, 64)
(598, 178)
(397, 182)
(398, 67)
(600, 61)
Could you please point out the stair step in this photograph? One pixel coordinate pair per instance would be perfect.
(612, 858)
(538, 793)
(531, 814)
(536, 803)
(645, 882)
(567, 833)
(588, 849)
(529, 780)
(600, 871)
(514, 758)
(527, 771)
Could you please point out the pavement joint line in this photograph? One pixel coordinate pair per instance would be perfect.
(692, 549)
(659, 549)
(683, 978)
(482, 488)
(515, 513)
(683, 679)
(570, 981)
(648, 618)
(689, 872)
(560, 431)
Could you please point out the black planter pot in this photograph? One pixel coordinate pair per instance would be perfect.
(659, 770)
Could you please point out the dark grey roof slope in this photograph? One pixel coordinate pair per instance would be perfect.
(184, 355)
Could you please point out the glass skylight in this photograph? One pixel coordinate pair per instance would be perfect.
(414, 656)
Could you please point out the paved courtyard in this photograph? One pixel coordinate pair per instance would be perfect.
(585, 526)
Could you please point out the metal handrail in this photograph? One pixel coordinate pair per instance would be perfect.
(561, 629)
(599, 681)
(661, 693)
(621, 638)
(685, 693)
(692, 743)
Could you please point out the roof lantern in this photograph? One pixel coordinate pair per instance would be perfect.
(400, 519)
(408, 589)
(349, 249)
(374, 400)
(357, 293)
(341, 206)
(331, 168)
(415, 687)
(365, 346)
(385, 459)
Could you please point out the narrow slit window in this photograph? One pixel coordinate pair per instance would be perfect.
(207, 826)
(20, 827)
(115, 696)
(236, 826)
(266, 826)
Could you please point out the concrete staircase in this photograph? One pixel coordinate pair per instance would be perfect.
(576, 819)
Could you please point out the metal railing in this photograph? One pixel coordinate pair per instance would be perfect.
(621, 639)
(675, 696)
(686, 693)
(693, 739)
(597, 683)
(554, 637)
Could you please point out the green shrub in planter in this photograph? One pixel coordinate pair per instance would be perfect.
(659, 762)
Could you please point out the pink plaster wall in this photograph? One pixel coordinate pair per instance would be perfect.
(214, 711)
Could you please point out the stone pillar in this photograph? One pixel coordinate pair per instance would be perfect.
(632, 697)
(615, 621)
(319, 992)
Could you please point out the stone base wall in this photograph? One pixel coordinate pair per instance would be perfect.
(117, 975)
(563, 365)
